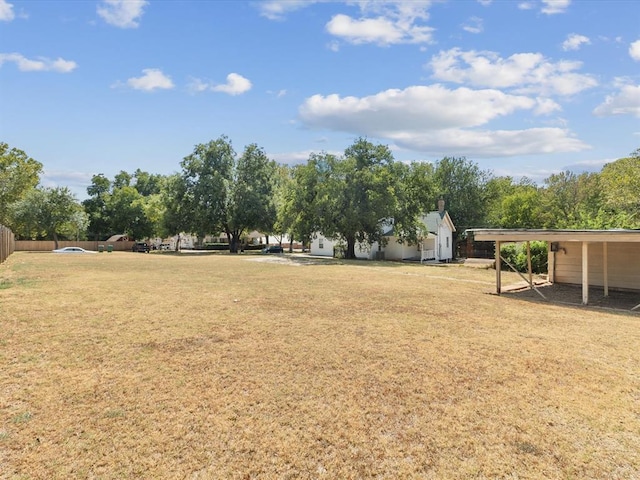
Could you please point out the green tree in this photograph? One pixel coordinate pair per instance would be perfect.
(224, 193)
(252, 193)
(414, 190)
(51, 212)
(620, 182)
(463, 186)
(359, 194)
(128, 213)
(175, 215)
(522, 208)
(96, 208)
(298, 211)
(19, 174)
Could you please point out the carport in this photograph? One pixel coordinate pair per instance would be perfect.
(596, 258)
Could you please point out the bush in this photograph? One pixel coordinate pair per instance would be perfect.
(516, 255)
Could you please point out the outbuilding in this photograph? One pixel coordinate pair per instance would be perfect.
(607, 259)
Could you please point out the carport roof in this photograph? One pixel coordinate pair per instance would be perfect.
(524, 235)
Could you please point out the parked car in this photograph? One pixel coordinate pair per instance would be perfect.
(72, 250)
(273, 249)
(140, 247)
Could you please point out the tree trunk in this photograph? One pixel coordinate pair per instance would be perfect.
(234, 240)
(291, 244)
(55, 239)
(351, 247)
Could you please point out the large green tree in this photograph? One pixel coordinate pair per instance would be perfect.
(463, 185)
(298, 210)
(222, 192)
(620, 182)
(131, 204)
(19, 174)
(96, 207)
(357, 194)
(49, 213)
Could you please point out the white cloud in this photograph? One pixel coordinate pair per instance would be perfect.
(417, 108)
(485, 3)
(545, 106)
(474, 25)
(236, 85)
(626, 102)
(552, 7)
(6, 11)
(278, 9)
(526, 5)
(153, 79)
(524, 72)
(122, 13)
(380, 30)
(575, 41)
(277, 93)
(634, 50)
(41, 64)
(294, 158)
(384, 23)
(434, 119)
(493, 143)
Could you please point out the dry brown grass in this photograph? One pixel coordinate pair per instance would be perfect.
(161, 366)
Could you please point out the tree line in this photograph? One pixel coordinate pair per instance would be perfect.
(347, 197)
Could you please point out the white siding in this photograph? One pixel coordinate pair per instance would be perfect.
(395, 250)
(623, 264)
(321, 246)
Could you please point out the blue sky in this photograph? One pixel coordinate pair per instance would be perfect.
(526, 87)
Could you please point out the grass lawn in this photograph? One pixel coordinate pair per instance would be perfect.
(122, 365)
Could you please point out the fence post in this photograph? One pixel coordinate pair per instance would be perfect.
(7, 243)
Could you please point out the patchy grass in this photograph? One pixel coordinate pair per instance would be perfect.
(182, 366)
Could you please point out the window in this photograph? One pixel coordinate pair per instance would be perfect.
(321, 243)
(447, 241)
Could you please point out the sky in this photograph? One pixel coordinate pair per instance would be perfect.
(522, 88)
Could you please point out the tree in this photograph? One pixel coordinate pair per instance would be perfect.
(464, 188)
(522, 208)
(414, 190)
(252, 192)
(358, 195)
(128, 213)
(297, 212)
(52, 212)
(96, 207)
(18, 175)
(620, 182)
(223, 193)
(174, 219)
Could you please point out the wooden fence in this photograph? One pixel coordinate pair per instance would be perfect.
(7, 243)
(48, 245)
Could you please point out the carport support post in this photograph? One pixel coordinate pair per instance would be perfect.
(585, 273)
(605, 273)
(529, 264)
(498, 269)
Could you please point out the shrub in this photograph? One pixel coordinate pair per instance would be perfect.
(516, 255)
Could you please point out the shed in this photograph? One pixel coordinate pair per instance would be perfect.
(590, 258)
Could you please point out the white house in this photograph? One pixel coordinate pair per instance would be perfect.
(436, 242)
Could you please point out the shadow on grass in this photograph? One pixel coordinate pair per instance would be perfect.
(571, 296)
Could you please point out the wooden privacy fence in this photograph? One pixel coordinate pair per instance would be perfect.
(48, 245)
(7, 243)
